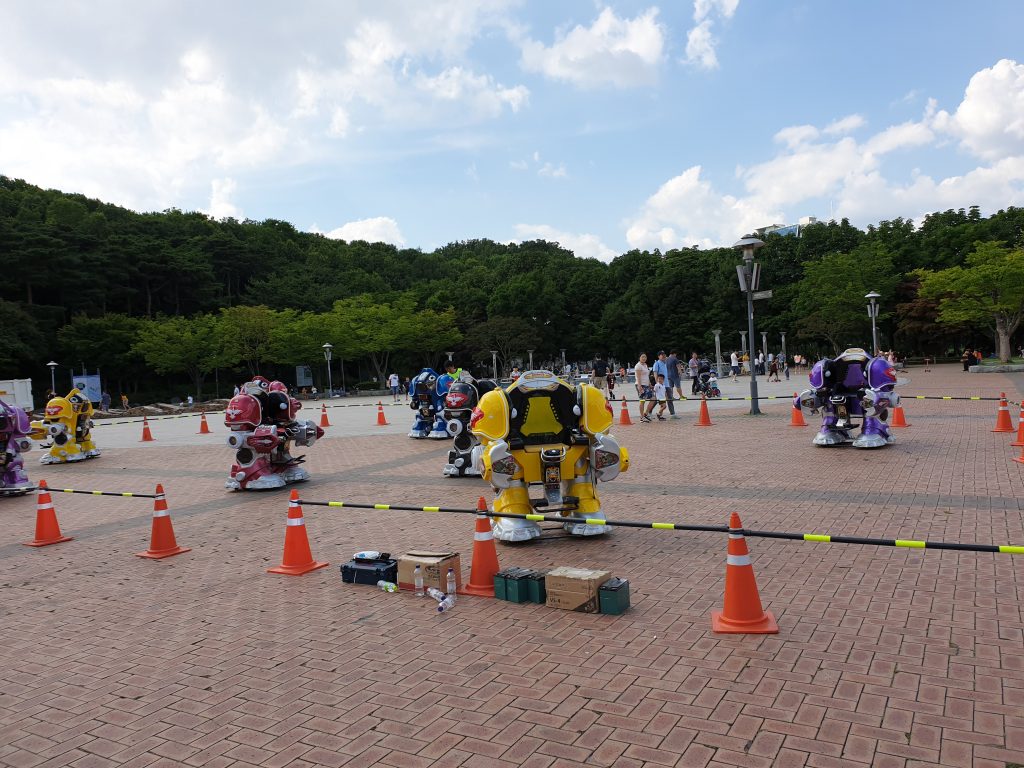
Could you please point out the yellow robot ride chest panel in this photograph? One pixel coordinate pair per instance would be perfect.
(540, 418)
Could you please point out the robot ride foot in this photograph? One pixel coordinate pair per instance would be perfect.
(510, 529)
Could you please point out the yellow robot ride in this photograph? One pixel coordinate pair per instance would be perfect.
(542, 431)
(67, 423)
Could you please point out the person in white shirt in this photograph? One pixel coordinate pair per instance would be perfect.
(644, 388)
(395, 384)
(661, 396)
(734, 363)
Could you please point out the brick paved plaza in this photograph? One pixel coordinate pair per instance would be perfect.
(885, 656)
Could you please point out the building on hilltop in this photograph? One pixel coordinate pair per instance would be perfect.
(786, 229)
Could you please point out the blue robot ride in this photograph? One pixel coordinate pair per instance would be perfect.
(426, 397)
(853, 389)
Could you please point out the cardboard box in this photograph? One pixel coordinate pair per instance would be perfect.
(434, 567)
(574, 589)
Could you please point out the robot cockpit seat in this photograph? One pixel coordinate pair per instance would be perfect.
(543, 417)
(845, 377)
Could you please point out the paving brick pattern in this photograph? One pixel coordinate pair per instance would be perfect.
(886, 657)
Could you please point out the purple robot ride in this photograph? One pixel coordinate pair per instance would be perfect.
(851, 390)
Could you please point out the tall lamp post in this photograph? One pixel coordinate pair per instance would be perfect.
(749, 275)
(873, 314)
(53, 381)
(327, 356)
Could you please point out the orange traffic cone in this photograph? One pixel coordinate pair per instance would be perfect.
(624, 420)
(204, 428)
(1019, 442)
(161, 541)
(485, 557)
(323, 416)
(899, 419)
(797, 419)
(381, 421)
(298, 559)
(147, 436)
(47, 528)
(742, 612)
(705, 418)
(1003, 423)
(1020, 459)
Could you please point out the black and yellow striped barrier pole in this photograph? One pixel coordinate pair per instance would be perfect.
(96, 493)
(817, 537)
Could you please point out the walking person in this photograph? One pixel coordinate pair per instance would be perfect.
(395, 384)
(674, 381)
(694, 366)
(644, 389)
(734, 365)
(660, 396)
(662, 369)
(600, 372)
(967, 358)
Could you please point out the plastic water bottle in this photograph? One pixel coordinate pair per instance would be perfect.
(417, 577)
(388, 586)
(436, 593)
(446, 604)
(451, 583)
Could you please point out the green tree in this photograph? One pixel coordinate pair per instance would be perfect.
(987, 292)
(247, 335)
(189, 345)
(510, 337)
(830, 300)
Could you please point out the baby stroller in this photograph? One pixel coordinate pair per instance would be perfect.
(707, 381)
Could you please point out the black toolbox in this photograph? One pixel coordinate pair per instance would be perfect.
(369, 571)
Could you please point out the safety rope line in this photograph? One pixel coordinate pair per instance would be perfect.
(95, 493)
(816, 537)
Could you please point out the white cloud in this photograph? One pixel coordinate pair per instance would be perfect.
(700, 42)
(183, 113)
(811, 168)
(480, 92)
(687, 211)
(553, 171)
(221, 192)
(624, 53)
(795, 135)
(844, 125)
(380, 229)
(582, 245)
(990, 120)
(339, 123)
(700, 46)
(703, 8)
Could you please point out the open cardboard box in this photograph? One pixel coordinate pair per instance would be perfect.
(434, 567)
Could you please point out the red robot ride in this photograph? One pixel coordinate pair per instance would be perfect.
(263, 427)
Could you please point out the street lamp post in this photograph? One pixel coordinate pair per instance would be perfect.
(494, 362)
(749, 274)
(53, 381)
(327, 356)
(873, 314)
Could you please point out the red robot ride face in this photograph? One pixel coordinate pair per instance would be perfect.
(243, 411)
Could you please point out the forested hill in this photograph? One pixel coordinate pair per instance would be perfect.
(91, 268)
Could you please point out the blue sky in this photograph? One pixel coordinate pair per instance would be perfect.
(604, 126)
